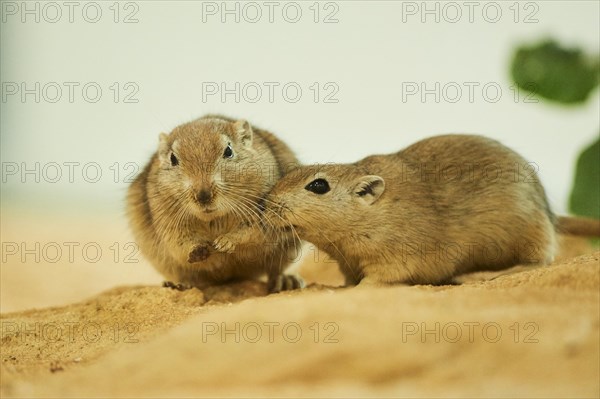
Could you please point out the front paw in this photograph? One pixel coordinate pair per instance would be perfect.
(225, 244)
(199, 253)
(285, 282)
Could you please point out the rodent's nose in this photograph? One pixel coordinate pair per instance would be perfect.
(204, 196)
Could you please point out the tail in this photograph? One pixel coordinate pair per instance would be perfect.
(578, 226)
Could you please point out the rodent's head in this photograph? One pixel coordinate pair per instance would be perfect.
(324, 202)
(200, 166)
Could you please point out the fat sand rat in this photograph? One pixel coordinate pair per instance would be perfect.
(444, 206)
(200, 191)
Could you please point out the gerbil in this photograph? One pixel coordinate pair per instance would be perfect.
(443, 206)
(199, 192)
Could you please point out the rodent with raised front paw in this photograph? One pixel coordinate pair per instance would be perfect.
(200, 192)
(443, 206)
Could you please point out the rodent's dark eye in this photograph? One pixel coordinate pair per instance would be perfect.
(174, 160)
(228, 153)
(319, 186)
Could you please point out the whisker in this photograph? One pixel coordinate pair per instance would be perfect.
(272, 227)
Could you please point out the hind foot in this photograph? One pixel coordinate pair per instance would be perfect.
(285, 282)
(178, 286)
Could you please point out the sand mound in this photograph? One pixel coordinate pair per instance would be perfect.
(532, 332)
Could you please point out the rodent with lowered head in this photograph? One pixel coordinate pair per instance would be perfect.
(412, 217)
(201, 191)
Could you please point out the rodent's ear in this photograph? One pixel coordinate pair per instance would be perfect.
(163, 148)
(369, 188)
(163, 143)
(244, 132)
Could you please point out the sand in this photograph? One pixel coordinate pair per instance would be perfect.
(529, 332)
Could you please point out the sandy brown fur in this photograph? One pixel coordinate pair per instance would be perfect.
(443, 206)
(578, 226)
(170, 224)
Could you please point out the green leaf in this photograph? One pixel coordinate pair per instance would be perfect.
(558, 74)
(585, 196)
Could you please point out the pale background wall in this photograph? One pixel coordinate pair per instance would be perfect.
(371, 52)
(368, 54)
